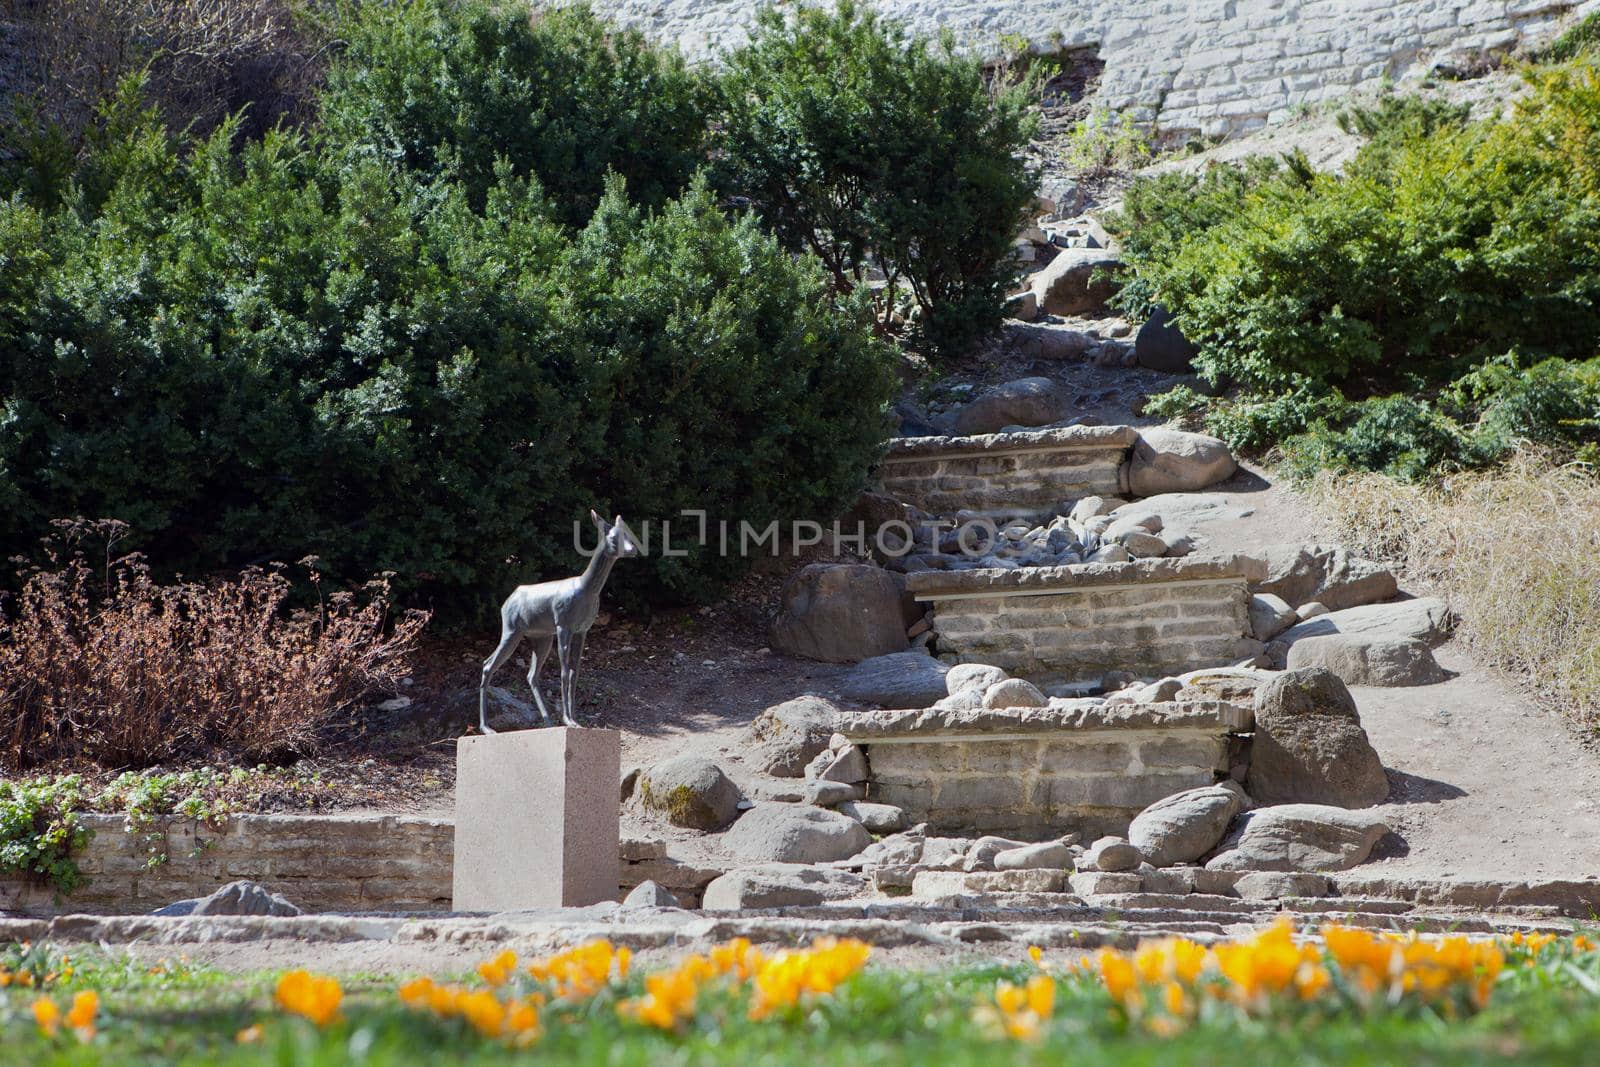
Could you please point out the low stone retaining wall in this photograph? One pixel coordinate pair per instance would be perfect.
(1037, 772)
(320, 862)
(1001, 475)
(1062, 624)
(351, 863)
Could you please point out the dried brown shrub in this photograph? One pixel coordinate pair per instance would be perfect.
(99, 661)
(1516, 552)
(204, 59)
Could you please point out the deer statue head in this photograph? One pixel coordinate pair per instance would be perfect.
(615, 538)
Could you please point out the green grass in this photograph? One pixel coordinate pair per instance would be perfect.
(191, 1016)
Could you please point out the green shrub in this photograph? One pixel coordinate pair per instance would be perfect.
(449, 87)
(288, 350)
(871, 150)
(1397, 435)
(1441, 244)
(725, 380)
(1579, 38)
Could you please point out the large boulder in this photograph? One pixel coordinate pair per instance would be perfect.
(1361, 659)
(1159, 345)
(843, 613)
(690, 791)
(795, 833)
(1175, 461)
(780, 885)
(1298, 837)
(1112, 855)
(787, 736)
(1014, 693)
(1270, 616)
(1048, 341)
(1023, 402)
(236, 898)
(1185, 826)
(898, 680)
(1077, 281)
(1425, 619)
(1309, 745)
(1327, 574)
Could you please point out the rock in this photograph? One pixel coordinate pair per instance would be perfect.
(1046, 856)
(1270, 616)
(1023, 306)
(831, 794)
(1110, 854)
(849, 765)
(1425, 619)
(1159, 692)
(946, 850)
(1014, 693)
(979, 676)
(795, 833)
(843, 613)
(1110, 554)
(787, 736)
(1047, 341)
(1175, 461)
(1309, 745)
(236, 898)
(1104, 883)
(1325, 573)
(877, 818)
(1185, 826)
(1311, 609)
(1092, 507)
(1359, 659)
(1161, 346)
(780, 885)
(1173, 881)
(819, 763)
(935, 885)
(898, 680)
(1275, 885)
(1143, 545)
(1068, 284)
(980, 856)
(691, 792)
(649, 894)
(1023, 402)
(966, 700)
(895, 851)
(1298, 837)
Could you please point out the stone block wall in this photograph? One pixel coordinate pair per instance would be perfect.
(1062, 624)
(1002, 475)
(320, 862)
(340, 863)
(1039, 772)
(1190, 67)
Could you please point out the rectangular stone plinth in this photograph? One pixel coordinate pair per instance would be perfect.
(1064, 624)
(1034, 772)
(1002, 475)
(537, 819)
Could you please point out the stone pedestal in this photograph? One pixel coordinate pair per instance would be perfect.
(537, 819)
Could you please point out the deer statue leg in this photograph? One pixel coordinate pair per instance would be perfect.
(508, 644)
(574, 661)
(541, 653)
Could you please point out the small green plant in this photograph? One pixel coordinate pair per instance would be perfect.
(1579, 38)
(39, 829)
(1104, 142)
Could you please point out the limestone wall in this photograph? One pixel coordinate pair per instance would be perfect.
(320, 862)
(1000, 475)
(1038, 771)
(383, 863)
(1062, 624)
(1210, 67)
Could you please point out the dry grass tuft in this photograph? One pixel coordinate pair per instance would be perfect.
(100, 662)
(1516, 552)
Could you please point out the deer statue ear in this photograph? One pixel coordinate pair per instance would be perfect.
(598, 521)
(618, 520)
